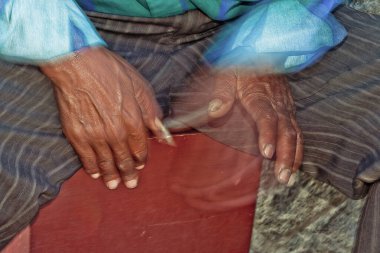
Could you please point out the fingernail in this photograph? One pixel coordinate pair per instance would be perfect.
(95, 175)
(131, 183)
(169, 140)
(140, 167)
(166, 135)
(268, 150)
(284, 175)
(292, 180)
(113, 184)
(215, 105)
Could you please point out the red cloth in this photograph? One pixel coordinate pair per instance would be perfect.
(87, 217)
(19, 244)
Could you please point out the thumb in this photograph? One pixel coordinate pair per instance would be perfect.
(152, 114)
(223, 95)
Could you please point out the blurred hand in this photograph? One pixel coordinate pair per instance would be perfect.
(105, 108)
(268, 101)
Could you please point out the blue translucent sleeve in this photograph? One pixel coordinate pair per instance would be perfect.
(38, 31)
(282, 35)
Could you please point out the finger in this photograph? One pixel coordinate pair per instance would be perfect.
(299, 147)
(151, 114)
(130, 178)
(262, 112)
(162, 133)
(223, 95)
(286, 147)
(106, 164)
(150, 110)
(125, 164)
(138, 146)
(88, 159)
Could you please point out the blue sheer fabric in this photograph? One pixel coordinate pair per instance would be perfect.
(280, 35)
(285, 35)
(37, 31)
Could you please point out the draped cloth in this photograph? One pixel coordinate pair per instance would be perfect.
(337, 109)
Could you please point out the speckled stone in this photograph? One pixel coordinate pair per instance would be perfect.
(309, 217)
(370, 6)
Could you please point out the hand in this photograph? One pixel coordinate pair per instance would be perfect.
(105, 109)
(268, 101)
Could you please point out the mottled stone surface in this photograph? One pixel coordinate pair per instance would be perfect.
(309, 217)
(370, 6)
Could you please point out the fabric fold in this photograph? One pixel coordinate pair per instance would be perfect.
(37, 31)
(281, 35)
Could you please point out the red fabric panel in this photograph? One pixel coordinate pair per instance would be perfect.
(185, 202)
(19, 244)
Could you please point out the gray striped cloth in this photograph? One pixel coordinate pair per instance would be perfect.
(337, 103)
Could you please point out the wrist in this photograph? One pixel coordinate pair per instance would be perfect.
(70, 65)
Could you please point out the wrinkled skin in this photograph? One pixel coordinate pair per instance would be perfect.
(105, 108)
(268, 101)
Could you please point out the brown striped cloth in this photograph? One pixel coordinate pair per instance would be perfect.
(337, 102)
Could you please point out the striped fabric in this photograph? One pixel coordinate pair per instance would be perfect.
(338, 109)
(35, 158)
(337, 103)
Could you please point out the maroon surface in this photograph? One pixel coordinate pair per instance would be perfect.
(156, 217)
(19, 244)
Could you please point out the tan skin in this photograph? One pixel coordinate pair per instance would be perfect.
(268, 100)
(106, 108)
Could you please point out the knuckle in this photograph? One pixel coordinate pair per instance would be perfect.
(122, 155)
(138, 142)
(129, 175)
(137, 135)
(290, 133)
(113, 141)
(132, 116)
(88, 160)
(286, 158)
(141, 155)
(300, 137)
(248, 96)
(90, 170)
(147, 104)
(267, 84)
(246, 90)
(105, 164)
(73, 134)
(280, 104)
(122, 137)
(268, 115)
(115, 130)
(98, 141)
(125, 164)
